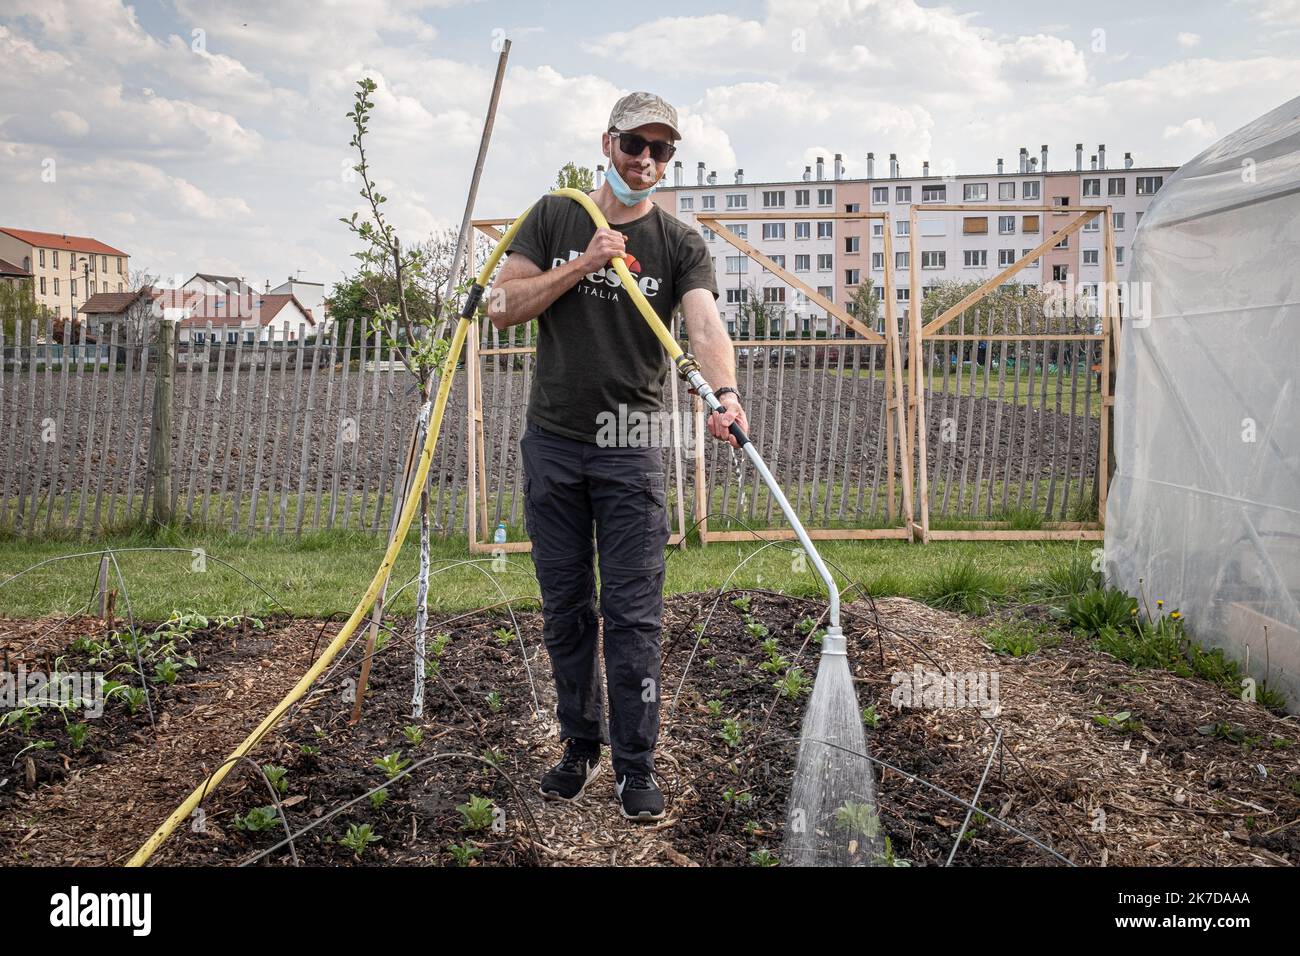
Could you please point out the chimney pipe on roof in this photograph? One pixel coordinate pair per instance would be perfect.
(740, 176)
(1024, 160)
(807, 173)
(925, 168)
(893, 165)
(713, 177)
(839, 166)
(999, 165)
(677, 173)
(600, 175)
(1094, 162)
(1101, 156)
(699, 174)
(1128, 160)
(1078, 156)
(871, 165)
(1043, 164)
(821, 169)
(1033, 165)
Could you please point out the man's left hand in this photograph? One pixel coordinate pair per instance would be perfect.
(720, 424)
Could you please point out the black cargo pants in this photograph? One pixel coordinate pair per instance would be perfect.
(569, 486)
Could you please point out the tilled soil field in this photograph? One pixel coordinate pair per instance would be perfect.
(460, 784)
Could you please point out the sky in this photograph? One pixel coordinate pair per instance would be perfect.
(213, 137)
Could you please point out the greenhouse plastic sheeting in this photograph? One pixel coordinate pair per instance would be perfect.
(1204, 508)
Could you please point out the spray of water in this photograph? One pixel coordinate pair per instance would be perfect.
(832, 818)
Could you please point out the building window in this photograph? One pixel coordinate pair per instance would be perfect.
(774, 293)
(934, 193)
(802, 263)
(975, 192)
(42, 285)
(879, 194)
(737, 200)
(1119, 255)
(40, 255)
(1006, 257)
(1031, 262)
(825, 197)
(773, 230)
(56, 282)
(686, 202)
(976, 258)
(903, 227)
(903, 194)
(1030, 190)
(1063, 244)
(119, 287)
(774, 199)
(934, 260)
(975, 226)
(708, 202)
(801, 197)
(1093, 224)
(825, 263)
(1060, 273)
(1091, 188)
(119, 265)
(904, 294)
(1029, 224)
(1006, 225)
(736, 265)
(802, 230)
(853, 207)
(56, 258)
(852, 244)
(103, 263)
(1117, 220)
(1091, 257)
(902, 260)
(1006, 191)
(777, 260)
(877, 229)
(1149, 185)
(739, 229)
(737, 296)
(708, 233)
(824, 230)
(826, 292)
(877, 261)
(1115, 187)
(851, 276)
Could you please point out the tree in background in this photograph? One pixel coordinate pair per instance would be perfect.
(573, 176)
(865, 306)
(18, 307)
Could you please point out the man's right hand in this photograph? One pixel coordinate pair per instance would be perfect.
(604, 245)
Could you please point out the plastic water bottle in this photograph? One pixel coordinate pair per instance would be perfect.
(500, 536)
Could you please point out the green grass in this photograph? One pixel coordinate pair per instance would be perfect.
(1007, 390)
(325, 573)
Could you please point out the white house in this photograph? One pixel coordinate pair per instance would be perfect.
(312, 297)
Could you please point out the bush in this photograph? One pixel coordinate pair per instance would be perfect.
(1096, 609)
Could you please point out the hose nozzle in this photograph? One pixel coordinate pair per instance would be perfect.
(833, 641)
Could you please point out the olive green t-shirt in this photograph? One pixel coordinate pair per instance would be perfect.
(595, 351)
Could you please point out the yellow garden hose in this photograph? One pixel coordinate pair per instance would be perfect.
(686, 367)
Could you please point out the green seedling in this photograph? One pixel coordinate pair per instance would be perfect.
(463, 853)
(494, 756)
(504, 636)
(134, 697)
(741, 603)
(309, 750)
(414, 735)
(714, 707)
(77, 735)
(257, 819)
(805, 626)
(870, 717)
(392, 764)
(477, 813)
(358, 838)
(378, 799)
(736, 798)
(888, 858)
(1124, 722)
(731, 732)
(756, 629)
(858, 819)
(794, 684)
(494, 702)
(381, 640)
(276, 776)
(763, 858)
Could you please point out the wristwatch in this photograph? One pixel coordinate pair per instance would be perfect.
(719, 392)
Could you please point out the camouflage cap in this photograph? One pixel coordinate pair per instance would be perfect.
(640, 109)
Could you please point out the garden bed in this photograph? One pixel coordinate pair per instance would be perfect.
(1189, 776)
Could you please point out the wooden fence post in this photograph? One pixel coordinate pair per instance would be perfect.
(160, 446)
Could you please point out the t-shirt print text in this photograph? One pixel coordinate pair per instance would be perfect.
(605, 283)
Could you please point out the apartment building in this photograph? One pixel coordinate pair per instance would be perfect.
(66, 270)
(837, 255)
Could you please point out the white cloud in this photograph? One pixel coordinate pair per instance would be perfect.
(71, 123)
(1188, 40)
(1195, 130)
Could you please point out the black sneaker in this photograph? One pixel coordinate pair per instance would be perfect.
(639, 797)
(569, 778)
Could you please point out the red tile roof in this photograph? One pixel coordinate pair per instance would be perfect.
(9, 269)
(110, 303)
(220, 310)
(54, 240)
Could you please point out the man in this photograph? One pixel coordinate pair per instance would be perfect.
(597, 361)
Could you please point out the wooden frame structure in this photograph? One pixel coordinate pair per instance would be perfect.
(918, 334)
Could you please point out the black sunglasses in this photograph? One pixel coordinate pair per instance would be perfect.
(634, 145)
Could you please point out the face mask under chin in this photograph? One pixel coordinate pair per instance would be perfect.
(622, 191)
